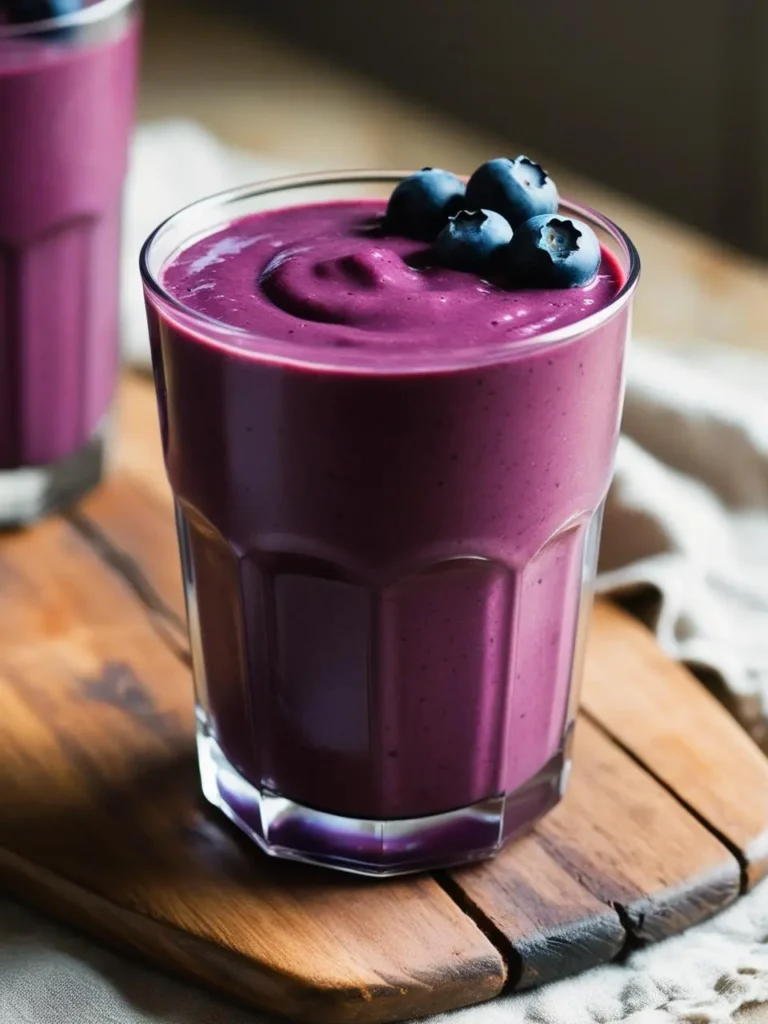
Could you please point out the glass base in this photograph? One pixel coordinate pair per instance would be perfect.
(285, 829)
(30, 492)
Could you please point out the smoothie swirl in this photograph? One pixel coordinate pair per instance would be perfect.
(327, 275)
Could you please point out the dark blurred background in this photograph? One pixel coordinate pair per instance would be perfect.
(663, 100)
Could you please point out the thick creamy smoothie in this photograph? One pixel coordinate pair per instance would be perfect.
(66, 104)
(389, 495)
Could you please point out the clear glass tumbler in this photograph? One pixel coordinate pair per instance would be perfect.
(67, 88)
(388, 569)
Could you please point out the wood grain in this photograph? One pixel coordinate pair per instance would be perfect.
(547, 923)
(136, 527)
(670, 723)
(100, 822)
(623, 838)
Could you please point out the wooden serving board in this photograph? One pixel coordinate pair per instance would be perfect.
(665, 821)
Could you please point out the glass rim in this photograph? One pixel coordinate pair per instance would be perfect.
(217, 332)
(91, 15)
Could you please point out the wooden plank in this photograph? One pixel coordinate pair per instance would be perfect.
(100, 821)
(552, 914)
(629, 844)
(667, 719)
(538, 911)
(138, 526)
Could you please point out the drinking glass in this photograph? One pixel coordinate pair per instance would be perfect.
(388, 563)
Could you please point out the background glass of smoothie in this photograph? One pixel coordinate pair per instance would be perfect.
(389, 481)
(67, 90)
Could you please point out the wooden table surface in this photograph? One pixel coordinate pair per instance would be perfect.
(256, 91)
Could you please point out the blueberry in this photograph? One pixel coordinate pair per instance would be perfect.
(422, 203)
(517, 189)
(20, 11)
(554, 252)
(472, 240)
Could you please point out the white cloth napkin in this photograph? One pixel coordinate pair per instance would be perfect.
(685, 540)
(685, 545)
(49, 975)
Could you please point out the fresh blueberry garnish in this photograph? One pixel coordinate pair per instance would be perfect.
(472, 240)
(554, 252)
(21, 11)
(422, 203)
(517, 189)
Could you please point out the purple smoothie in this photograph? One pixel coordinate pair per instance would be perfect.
(389, 494)
(66, 105)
